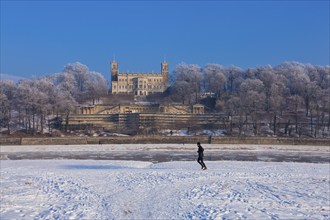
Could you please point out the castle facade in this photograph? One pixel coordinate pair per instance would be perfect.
(139, 84)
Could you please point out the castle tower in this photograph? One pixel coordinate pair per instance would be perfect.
(114, 71)
(164, 68)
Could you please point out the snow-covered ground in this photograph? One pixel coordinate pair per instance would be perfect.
(89, 189)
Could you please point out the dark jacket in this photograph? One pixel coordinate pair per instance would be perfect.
(200, 151)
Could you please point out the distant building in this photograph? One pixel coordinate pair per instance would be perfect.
(139, 84)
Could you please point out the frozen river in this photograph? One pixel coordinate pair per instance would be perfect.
(170, 152)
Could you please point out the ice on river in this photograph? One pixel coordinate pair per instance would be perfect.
(87, 189)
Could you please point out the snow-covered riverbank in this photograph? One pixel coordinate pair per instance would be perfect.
(89, 189)
(161, 147)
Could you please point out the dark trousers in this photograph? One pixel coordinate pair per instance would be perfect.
(201, 162)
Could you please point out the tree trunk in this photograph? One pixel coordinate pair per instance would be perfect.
(8, 128)
(30, 127)
(240, 124)
(329, 118)
(9, 119)
(317, 126)
(311, 122)
(274, 125)
(33, 122)
(300, 130)
(67, 121)
(296, 114)
(231, 124)
(307, 105)
(42, 123)
(287, 127)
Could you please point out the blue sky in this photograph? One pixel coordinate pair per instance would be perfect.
(40, 37)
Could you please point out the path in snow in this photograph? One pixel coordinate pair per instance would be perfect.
(76, 189)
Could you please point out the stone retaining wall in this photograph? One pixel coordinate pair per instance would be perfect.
(162, 140)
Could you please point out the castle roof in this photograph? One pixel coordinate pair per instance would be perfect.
(138, 73)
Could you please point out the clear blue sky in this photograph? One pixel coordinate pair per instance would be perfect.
(40, 37)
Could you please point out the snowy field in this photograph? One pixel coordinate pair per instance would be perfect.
(90, 189)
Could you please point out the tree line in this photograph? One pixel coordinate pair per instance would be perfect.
(29, 103)
(286, 97)
(292, 92)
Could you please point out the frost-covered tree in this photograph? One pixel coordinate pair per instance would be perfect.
(233, 107)
(84, 85)
(4, 112)
(7, 102)
(234, 77)
(253, 100)
(296, 76)
(79, 72)
(182, 91)
(213, 79)
(269, 78)
(276, 102)
(33, 101)
(191, 74)
(98, 85)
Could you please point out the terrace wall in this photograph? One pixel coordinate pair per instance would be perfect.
(164, 140)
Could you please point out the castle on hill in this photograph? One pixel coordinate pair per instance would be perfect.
(139, 84)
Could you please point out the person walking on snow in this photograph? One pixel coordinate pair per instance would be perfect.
(201, 155)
